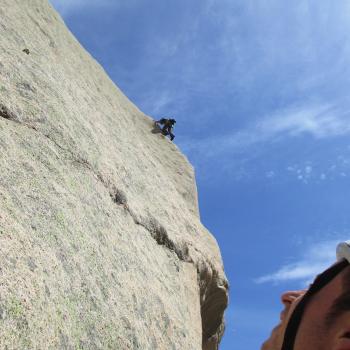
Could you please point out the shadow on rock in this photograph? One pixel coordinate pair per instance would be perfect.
(156, 130)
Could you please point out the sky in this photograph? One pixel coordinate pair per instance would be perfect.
(259, 89)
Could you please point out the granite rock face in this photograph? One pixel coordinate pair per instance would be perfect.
(101, 244)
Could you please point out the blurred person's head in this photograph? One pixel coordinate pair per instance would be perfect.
(317, 318)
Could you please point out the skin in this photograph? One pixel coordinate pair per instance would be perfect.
(325, 324)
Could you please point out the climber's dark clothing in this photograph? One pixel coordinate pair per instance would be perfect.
(167, 128)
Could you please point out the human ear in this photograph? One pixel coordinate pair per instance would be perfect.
(289, 297)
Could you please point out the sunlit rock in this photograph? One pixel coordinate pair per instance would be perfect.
(101, 245)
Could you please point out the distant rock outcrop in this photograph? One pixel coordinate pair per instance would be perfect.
(101, 245)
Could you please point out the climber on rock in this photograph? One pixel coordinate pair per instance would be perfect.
(317, 318)
(167, 128)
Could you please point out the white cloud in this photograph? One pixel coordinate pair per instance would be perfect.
(159, 103)
(314, 260)
(322, 121)
(318, 121)
(308, 169)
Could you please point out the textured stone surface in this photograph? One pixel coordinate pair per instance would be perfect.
(101, 245)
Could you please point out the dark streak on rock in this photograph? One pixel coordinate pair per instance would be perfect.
(160, 235)
(31, 264)
(25, 87)
(7, 114)
(118, 197)
(47, 291)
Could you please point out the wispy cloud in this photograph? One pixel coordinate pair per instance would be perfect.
(157, 104)
(321, 121)
(314, 260)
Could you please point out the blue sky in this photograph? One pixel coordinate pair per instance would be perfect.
(259, 89)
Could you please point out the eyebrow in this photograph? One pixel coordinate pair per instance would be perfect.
(339, 307)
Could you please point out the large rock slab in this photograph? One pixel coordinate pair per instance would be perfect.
(101, 244)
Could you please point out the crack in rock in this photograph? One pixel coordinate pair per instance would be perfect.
(119, 197)
(160, 235)
(213, 289)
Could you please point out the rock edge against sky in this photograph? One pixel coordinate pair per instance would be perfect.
(101, 244)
